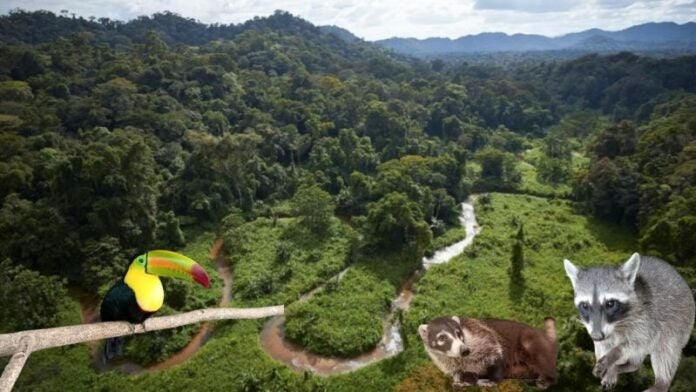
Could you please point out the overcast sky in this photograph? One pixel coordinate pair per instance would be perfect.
(375, 19)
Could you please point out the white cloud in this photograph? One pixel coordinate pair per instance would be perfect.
(372, 19)
(528, 6)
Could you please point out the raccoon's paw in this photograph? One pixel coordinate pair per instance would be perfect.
(601, 367)
(609, 381)
(486, 383)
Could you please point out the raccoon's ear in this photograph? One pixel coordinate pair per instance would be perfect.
(571, 271)
(423, 331)
(629, 269)
(456, 320)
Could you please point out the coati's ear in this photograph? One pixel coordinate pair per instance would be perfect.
(571, 271)
(423, 331)
(456, 320)
(629, 269)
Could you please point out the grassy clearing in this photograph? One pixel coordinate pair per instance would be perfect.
(274, 263)
(477, 283)
(345, 318)
(529, 182)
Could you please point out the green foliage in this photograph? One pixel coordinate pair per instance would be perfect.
(395, 222)
(345, 319)
(314, 207)
(498, 168)
(646, 178)
(15, 91)
(276, 263)
(30, 300)
(553, 170)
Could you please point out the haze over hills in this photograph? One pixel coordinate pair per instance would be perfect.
(666, 36)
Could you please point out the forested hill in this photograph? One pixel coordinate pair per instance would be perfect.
(43, 26)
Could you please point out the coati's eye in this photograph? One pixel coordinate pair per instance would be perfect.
(610, 304)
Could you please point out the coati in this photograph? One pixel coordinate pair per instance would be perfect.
(483, 352)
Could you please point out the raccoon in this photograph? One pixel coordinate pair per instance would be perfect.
(643, 307)
(483, 352)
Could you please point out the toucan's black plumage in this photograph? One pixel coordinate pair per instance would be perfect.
(120, 304)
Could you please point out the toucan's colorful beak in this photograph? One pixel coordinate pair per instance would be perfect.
(175, 265)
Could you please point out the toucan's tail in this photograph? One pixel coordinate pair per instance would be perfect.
(550, 328)
(113, 348)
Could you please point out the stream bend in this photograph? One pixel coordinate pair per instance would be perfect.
(297, 357)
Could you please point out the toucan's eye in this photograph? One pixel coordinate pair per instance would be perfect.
(141, 260)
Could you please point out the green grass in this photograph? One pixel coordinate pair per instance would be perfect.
(262, 277)
(345, 318)
(552, 232)
(529, 182)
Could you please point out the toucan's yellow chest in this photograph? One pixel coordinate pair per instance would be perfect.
(148, 289)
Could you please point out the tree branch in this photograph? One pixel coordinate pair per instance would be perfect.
(21, 344)
(14, 367)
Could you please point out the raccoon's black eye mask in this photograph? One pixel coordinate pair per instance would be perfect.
(613, 309)
(584, 308)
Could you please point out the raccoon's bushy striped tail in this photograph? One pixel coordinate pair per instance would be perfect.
(550, 328)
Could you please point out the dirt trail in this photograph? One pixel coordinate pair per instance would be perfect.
(273, 335)
(89, 313)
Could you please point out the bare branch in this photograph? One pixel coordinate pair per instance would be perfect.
(14, 367)
(21, 344)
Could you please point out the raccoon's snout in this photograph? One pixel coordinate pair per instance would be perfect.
(464, 351)
(597, 336)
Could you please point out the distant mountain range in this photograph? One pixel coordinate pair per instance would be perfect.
(666, 36)
(23, 27)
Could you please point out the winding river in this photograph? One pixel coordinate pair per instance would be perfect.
(272, 336)
(276, 346)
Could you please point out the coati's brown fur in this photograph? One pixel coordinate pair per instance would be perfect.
(491, 350)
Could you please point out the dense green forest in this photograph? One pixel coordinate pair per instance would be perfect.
(307, 153)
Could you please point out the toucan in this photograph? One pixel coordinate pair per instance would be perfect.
(139, 294)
